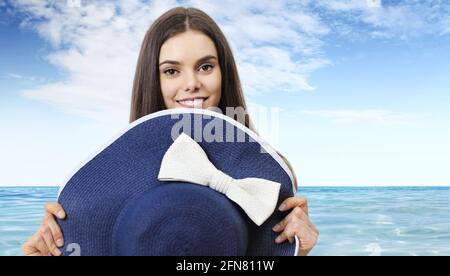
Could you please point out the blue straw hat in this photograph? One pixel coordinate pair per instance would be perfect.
(179, 182)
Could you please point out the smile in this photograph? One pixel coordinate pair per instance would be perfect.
(196, 102)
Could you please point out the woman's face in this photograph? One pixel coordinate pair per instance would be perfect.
(189, 71)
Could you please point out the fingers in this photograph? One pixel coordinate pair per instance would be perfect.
(293, 202)
(303, 216)
(42, 247)
(304, 233)
(50, 222)
(35, 246)
(50, 225)
(291, 229)
(46, 235)
(299, 213)
(291, 218)
(43, 242)
(35, 255)
(55, 209)
(29, 247)
(282, 224)
(297, 224)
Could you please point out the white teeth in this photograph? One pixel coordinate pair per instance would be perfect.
(197, 103)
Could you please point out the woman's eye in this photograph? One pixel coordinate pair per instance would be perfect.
(170, 72)
(206, 67)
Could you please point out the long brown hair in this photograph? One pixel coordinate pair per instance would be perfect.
(147, 96)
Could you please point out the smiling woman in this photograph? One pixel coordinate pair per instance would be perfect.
(186, 61)
(188, 81)
(186, 58)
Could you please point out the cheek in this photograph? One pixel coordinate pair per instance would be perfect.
(214, 86)
(168, 91)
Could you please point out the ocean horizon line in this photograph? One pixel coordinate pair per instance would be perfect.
(301, 186)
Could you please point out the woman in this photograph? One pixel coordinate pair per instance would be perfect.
(185, 61)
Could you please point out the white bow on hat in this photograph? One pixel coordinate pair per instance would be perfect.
(186, 161)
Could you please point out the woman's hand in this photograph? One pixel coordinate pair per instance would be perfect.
(48, 238)
(297, 223)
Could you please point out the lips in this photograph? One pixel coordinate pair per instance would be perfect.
(192, 102)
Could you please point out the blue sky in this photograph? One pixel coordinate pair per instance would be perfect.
(362, 86)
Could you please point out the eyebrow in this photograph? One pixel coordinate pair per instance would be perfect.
(205, 58)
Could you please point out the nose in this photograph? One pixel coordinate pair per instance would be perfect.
(192, 84)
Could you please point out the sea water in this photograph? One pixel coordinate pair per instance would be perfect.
(351, 220)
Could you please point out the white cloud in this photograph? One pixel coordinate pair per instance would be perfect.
(15, 76)
(445, 24)
(97, 44)
(97, 48)
(277, 44)
(267, 69)
(349, 5)
(373, 3)
(388, 19)
(397, 20)
(369, 116)
(28, 80)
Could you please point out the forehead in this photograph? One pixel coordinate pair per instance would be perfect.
(187, 47)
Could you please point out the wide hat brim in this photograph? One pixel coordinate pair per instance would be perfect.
(127, 168)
